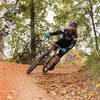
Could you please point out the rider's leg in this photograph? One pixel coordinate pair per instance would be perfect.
(60, 42)
(57, 59)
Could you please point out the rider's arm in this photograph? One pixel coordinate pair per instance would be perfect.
(73, 42)
(57, 32)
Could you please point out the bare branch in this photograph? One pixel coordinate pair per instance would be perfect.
(98, 32)
(16, 2)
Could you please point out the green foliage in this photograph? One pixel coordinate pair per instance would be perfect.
(79, 10)
(19, 19)
(93, 63)
(74, 57)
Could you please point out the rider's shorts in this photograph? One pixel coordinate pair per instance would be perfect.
(63, 44)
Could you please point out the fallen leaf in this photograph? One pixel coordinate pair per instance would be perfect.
(9, 97)
(97, 85)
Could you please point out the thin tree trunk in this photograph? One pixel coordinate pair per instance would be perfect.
(33, 35)
(93, 24)
(1, 49)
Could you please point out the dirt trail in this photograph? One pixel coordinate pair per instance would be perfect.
(16, 85)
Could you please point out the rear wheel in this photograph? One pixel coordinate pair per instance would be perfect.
(45, 69)
(48, 64)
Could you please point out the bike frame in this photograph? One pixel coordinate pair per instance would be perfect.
(52, 49)
(46, 59)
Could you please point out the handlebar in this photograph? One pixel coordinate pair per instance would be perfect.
(63, 49)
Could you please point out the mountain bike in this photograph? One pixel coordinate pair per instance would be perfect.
(45, 59)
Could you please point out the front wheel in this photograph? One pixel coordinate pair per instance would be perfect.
(32, 67)
(37, 62)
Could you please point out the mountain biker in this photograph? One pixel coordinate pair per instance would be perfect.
(67, 41)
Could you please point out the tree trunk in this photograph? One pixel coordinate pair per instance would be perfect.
(1, 49)
(93, 24)
(33, 35)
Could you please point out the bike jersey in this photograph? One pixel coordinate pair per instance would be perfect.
(70, 37)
